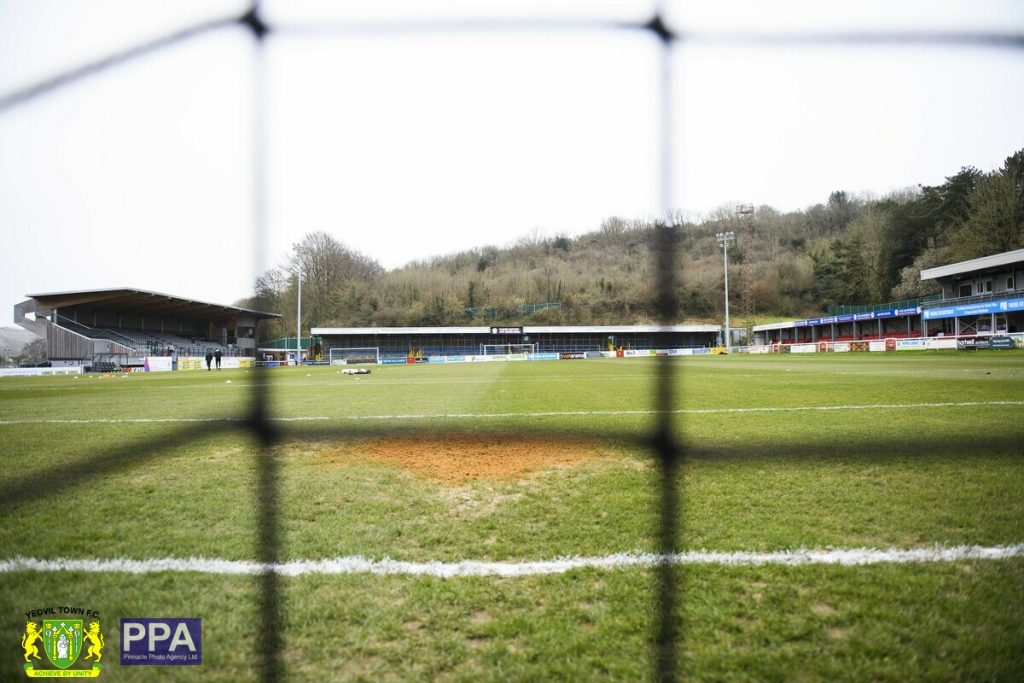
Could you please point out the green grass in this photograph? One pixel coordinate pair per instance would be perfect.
(762, 472)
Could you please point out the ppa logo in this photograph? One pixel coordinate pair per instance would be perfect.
(161, 641)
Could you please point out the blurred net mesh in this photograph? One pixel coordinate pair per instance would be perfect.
(663, 440)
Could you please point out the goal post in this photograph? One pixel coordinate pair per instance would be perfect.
(354, 355)
(506, 349)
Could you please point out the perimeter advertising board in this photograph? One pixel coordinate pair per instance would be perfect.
(35, 372)
(226, 362)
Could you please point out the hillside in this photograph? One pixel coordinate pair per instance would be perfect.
(846, 251)
(13, 340)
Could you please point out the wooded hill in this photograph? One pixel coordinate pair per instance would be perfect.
(848, 250)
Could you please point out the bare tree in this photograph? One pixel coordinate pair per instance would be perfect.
(33, 353)
(328, 266)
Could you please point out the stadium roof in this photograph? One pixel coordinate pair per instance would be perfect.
(142, 302)
(984, 263)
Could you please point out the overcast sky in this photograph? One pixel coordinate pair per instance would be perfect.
(406, 144)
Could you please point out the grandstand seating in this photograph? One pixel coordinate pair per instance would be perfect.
(867, 336)
(149, 342)
(902, 335)
(474, 350)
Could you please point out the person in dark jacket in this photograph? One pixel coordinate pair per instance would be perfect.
(217, 354)
(209, 360)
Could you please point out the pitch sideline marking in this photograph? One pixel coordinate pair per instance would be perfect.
(854, 557)
(568, 413)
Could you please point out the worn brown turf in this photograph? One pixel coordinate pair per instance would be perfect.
(459, 458)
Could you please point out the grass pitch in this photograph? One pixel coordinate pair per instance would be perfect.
(519, 462)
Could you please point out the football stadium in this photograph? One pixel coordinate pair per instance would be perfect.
(516, 503)
(522, 496)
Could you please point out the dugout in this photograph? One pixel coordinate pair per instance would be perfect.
(461, 341)
(92, 324)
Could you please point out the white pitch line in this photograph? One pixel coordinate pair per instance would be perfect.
(853, 557)
(552, 413)
(156, 420)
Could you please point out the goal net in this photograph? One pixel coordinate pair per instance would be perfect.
(354, 356)
(506, 349)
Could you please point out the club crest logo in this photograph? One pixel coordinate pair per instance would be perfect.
(55, 650)
(62, 640)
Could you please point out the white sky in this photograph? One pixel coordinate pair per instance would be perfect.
(405, 145)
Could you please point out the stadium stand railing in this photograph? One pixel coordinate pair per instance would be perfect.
(892, 305)
(96, 332)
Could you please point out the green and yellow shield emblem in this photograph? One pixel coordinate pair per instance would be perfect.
(62, 641)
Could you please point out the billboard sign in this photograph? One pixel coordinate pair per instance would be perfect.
(1001, 342)
(981, 308)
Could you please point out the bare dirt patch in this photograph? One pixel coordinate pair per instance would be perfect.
(456, 459)
(824, 610)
